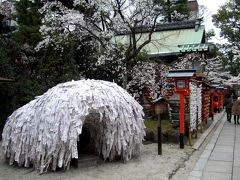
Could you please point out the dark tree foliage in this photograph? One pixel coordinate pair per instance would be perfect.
(29, 20)
(7, 91)
(57, 66)
(25, 87)
(176, 10)
(227, 20)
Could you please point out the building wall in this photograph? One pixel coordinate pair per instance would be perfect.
(193, 8)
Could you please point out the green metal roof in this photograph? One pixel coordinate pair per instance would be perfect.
(170, 41)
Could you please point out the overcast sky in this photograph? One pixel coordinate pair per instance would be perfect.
(212, 6)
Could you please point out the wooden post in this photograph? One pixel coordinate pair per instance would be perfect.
(190, 136)
(197, 123)
(159, 135)
(182, 114)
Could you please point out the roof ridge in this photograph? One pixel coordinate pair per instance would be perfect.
(176, 25)
(165, 27)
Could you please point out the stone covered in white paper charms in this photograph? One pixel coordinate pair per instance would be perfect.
(45, 131)
(195, 105)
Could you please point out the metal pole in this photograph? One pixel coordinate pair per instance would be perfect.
(159, 135)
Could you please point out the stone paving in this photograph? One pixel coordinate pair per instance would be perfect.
(220, 159)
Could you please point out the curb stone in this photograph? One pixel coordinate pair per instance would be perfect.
(203, 137)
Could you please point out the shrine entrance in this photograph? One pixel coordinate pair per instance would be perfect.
(86, 145)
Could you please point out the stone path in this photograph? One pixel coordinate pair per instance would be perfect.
(220, 159)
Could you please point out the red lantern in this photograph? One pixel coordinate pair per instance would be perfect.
(181, 80)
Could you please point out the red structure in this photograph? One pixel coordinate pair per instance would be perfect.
(181, 80)
(221, 95)
(217, 98)
(206, 102)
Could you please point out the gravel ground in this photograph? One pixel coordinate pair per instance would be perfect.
(148, 166)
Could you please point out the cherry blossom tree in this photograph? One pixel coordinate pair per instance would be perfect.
(223, 68)
(144, 75)
(92, 26)
(98, 22)
(6, 8)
